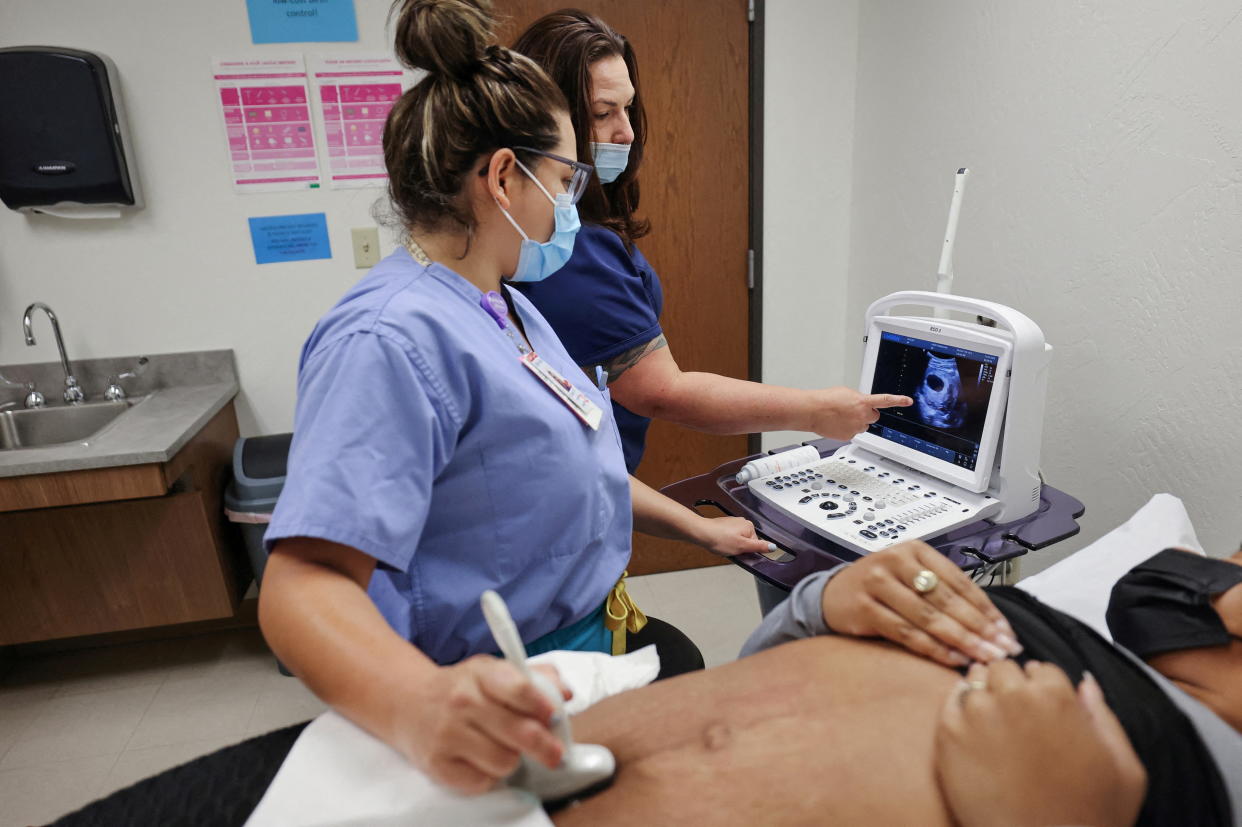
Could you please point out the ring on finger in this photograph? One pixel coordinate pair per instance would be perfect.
(925, 581)
(966, 687)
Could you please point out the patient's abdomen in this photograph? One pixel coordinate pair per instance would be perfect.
(824, 731)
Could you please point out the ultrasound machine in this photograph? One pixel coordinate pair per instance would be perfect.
(966, 450)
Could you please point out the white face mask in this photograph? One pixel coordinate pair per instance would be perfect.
(610, 160)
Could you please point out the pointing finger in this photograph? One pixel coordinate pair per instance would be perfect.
(888, 400)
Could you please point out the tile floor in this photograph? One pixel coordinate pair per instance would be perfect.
(75, 726)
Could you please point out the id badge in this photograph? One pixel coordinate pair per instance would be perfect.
(574, 399)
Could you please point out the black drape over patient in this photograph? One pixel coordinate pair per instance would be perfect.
(1184, 785)
(1164, 604)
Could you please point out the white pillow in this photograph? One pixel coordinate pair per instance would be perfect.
(1080, 584)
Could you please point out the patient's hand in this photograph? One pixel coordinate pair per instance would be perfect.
(953, 624)
(1030, 750)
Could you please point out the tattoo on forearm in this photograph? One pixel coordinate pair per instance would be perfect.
(622, 362)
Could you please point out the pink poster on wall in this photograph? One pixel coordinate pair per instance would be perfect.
(356, 93)
(267, 123)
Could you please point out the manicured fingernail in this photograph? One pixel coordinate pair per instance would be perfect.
(958, 659)
(1089, 687)
(771, 547)
(990, 651)
(1007, 643)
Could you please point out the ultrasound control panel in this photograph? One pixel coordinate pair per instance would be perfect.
(868, 503)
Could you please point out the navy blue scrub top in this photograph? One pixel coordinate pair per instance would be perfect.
(603, 302)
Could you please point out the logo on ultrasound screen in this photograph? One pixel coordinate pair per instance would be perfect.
(54, 167)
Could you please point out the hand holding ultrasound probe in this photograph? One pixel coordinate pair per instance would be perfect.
(582, 766)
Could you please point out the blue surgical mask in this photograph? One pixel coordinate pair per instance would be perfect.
(538, 260)
(610, 160)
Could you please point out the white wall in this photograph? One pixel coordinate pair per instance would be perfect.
(1105, 141)
(808, 109)
(179, 275)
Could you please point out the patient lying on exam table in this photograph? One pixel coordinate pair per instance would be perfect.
(842, 730)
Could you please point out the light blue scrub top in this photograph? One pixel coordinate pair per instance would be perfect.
(420, 440)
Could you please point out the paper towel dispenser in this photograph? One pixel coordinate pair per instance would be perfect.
(64, 146)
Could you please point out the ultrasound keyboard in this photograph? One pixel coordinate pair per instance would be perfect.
(866, 503)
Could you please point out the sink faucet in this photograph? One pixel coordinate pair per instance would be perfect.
(34, 399)
(73, 394)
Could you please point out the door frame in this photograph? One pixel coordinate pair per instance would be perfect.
(756, 10)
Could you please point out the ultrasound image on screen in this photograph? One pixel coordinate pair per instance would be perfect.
(951, 388)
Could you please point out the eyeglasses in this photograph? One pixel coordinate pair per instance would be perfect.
(581, 172)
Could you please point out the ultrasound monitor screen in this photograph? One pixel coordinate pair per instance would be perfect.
(951, 388)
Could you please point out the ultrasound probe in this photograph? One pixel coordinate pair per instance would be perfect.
(944, 274)
(583, 767)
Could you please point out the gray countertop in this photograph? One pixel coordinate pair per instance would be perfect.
(180, 393)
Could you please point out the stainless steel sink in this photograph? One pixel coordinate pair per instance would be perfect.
(41, 427)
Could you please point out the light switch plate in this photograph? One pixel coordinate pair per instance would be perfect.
(366, 246)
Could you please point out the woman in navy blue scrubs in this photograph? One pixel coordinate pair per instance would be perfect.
(605, 303)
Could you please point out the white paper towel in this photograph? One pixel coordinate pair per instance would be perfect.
(338, 774)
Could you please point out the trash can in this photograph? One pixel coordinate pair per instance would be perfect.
(259, 464)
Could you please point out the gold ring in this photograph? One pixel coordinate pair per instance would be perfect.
(966, 687)
(926, 581)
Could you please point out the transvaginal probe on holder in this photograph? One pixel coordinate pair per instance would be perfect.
(583, 766)
(944, 273)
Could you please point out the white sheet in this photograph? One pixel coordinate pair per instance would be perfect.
(1080, 584)
(338, 774)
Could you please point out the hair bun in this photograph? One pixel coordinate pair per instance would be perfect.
(443, 36)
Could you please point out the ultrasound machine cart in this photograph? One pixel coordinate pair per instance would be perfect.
(979, 460)
(981, 548)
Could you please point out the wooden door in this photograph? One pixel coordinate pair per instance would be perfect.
(693, 63)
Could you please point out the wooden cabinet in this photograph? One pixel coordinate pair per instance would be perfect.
(113, 549)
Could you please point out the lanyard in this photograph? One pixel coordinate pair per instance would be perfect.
(578, 402)
(495, 306)
(492, 302)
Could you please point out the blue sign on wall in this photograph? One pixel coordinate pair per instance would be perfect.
(290, 237)
(302, 21)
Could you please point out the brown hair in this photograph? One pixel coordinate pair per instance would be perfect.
(565, 43)
(476, 98)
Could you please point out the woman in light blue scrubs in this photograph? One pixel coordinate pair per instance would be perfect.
(444, 441)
